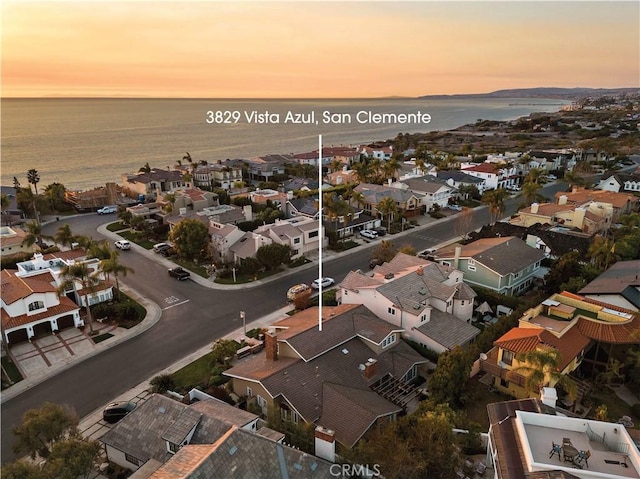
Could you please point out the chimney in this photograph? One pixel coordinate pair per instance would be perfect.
(549, 396)
(370, 368)
(289, 195)
(534, 208)
(271, 345)
(456, 257)
(389, 181)
(248, 212)
(420, 271)
(574, 188)
(325, 443)
(183, 211)
(562, 200)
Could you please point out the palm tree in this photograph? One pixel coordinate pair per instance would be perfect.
(100, 250)
(387, 207)
(541, 368)
(421, 166)
(88, 279)
(33, 177)
(64, 236)
(34, 234)
(188, 157)
(572, 178)
(602, 252)
(357, 198)
(495, 200)
(16, 184)
(530, 191)
(145, 169)
(112, 266)
(335, 165)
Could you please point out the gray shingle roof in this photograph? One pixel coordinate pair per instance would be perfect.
(373, 194)
(428, 184)
(177, 431)
(447, 330)
(243, 455)
(412, 291)
(459, 177)
(510, 256)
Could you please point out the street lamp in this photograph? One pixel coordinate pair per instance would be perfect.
(244, 324)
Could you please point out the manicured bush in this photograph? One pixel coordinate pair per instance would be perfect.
(162, 383)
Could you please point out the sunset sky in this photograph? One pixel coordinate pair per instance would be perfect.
(314, 50)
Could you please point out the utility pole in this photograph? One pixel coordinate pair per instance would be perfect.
(244, 323)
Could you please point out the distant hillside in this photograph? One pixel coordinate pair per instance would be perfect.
(543, 92)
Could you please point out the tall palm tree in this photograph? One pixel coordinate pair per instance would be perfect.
(34, 234)
(357, 198)
(88, 279)
(541, 368)
(602, 252)
(146, 168)
(387, 207)
(64, 235)
(16, 184)
(421, 166)
(495, 200)
(530, 191)
(111, 265)
(100, 250)
(33, 177)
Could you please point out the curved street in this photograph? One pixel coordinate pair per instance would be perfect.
(208, 315)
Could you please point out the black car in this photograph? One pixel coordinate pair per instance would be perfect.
(166, 252)
(179, 273)
(380, 230)
(117, 410)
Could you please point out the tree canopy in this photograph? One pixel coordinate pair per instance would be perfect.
(273, 255)
(190, 238)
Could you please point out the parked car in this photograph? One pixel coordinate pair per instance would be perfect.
(105, 210)
(297, 291)
(179, 273)
(369, 234)
(166, 252)
(160, 247)
(380, 230)
(455, 207)
(123, 244)
(117, 410)
(427, 253)
(324, 282)
(552, 177)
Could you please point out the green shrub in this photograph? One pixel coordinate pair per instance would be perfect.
(436, 214)
(162, 383)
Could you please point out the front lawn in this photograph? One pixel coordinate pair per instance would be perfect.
(117, 226)
(191, 266)
(247, 278)
(102, 337)
(10, 373)
(137, 239)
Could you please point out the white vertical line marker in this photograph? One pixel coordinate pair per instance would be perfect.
(320, 233)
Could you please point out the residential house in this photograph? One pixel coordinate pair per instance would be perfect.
(618, 285)
(301, 234)
(11, 239)
(381, 153)
(264, 168)
(313, 158)
(218, 175)
(522, 434)
(265, 195)
(193, 199)
(428, 301)
(622, 203)
(306, 206)
(347, 225)
(347, 377)
(222, 214)
(569, 324)
(342, 177)
(247, 246)
(407, 202)
(223, 236)
(457, 178)
(301, 184)
(154, 182)
(621, 182)
(435, 192)
(503, 264)
(91, 200)
(163, 438)
(31, 305)
(494, 175)
(590, 218)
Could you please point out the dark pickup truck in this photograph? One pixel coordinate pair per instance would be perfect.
(179, 273)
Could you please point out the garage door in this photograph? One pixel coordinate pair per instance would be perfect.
(65, 322)
(18, 336)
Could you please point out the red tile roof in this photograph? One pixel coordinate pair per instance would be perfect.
(15, 288)
(65, 306)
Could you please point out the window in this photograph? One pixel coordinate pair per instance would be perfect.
(296, 240)
(130, 459)
(389, 340)
(423, 318)
(249, 392)
(471, 262)
(36, 305)
(516, 275)
(391, 310)
(462, 303)
(504, 383)
(470, 267)
(446, 263)
(507, 357)
(313, 234)
(173, 448)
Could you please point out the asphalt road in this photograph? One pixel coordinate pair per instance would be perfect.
(208, 315)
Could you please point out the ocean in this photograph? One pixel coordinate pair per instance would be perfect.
(84, 143)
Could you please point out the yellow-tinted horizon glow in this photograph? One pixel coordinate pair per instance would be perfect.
(314, 50)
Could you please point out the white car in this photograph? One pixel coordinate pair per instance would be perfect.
(105, 210)
(455, 207)
(123, 244)
(370, 234)
(551, 177)
(324, 282)
(426, 253)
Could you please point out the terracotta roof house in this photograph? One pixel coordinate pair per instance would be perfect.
(193, 199)
(504, 264)
(622, 203)
(568, 323)
(342, 177)
(164, 438)
(494, 175)
(590, 218)
(433, 190)
(522, 434)
(618, 285)
(11, 239)
(345, 378)
(262, 196)
(407, 202)
(428, 301)
(378, 152)
(30, 302)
